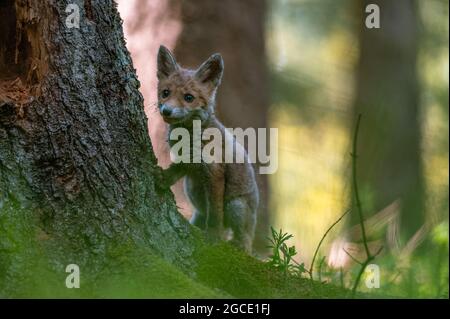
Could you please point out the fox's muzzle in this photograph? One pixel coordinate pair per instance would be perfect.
(166, 111)
(172, 114)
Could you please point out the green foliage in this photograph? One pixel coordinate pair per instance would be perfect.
(282, 254)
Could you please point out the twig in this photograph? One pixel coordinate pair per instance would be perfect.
(369, 256)
(320, 243)
(353, 258)
(355, 187)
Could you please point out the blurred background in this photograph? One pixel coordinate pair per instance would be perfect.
(308, 68)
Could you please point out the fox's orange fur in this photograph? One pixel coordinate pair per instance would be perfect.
(224, 195)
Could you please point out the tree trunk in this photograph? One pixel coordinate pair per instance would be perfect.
(76, 163)
(389, 163)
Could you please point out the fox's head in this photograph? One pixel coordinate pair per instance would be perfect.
(186, 95)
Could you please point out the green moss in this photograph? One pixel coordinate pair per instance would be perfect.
(157, 280)
(130, 273)
(226, 268)
(125, 269)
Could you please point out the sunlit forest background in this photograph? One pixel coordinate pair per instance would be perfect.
(308, 68)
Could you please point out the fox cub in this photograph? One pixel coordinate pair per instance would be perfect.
(224, 195)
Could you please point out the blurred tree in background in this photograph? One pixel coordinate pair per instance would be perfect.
(387, 96)
(326, 68)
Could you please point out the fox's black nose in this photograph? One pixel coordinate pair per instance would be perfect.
(166, 111)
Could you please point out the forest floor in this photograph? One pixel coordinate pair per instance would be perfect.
(219, 271)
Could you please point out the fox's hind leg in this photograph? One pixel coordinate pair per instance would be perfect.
(240, 217)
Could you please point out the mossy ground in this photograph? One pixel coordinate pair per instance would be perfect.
(125, 270)
(220, 271)
(224, 267)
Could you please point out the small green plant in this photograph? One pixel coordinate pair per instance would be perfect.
(282, 254)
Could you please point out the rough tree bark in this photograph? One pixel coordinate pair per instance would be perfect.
(76, 160)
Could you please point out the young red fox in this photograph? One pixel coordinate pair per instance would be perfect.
(224, 195)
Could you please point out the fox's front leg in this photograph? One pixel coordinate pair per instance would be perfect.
(215, 205)
(171, 175)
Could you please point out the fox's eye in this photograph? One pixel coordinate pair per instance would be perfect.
(188, 98)
(165, 93)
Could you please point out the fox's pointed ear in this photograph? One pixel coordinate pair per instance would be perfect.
(211, 70)
(166, 63)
